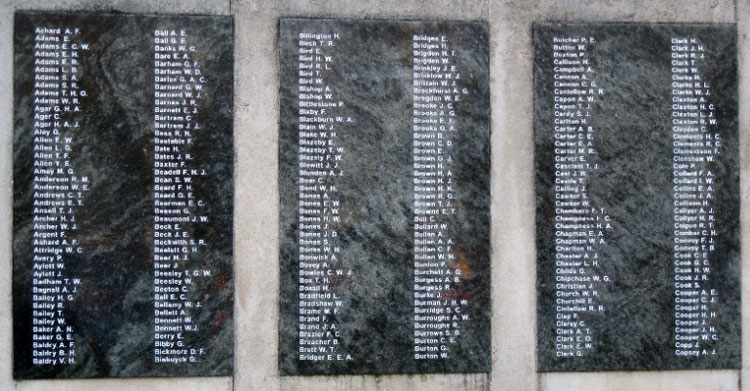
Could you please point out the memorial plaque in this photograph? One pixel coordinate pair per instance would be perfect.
(123, 159)
(384, 154)
(637, 188)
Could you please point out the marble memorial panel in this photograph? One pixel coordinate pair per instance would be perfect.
(384, 153)
(637, 192)
(123, 195)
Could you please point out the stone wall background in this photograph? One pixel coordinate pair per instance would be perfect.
(256, 191)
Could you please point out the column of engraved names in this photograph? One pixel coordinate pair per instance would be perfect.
(579, 226)
(58, 191)
(439, 302)
(178, 88)
(321, 117)
(696, 143)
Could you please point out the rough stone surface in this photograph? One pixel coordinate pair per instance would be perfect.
(714, 380)
(743, 37)
(219, 7)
